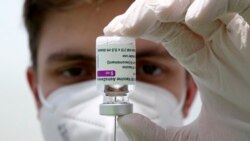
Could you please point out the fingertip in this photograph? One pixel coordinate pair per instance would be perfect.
(201, 12)
(130, 124)
(114, 27)
(130, 119)
(138, 127)
(193, 14)
(107, 31)
(133, 123)
(205, 11)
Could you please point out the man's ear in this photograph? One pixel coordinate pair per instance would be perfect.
(190, 95)
(32, 80)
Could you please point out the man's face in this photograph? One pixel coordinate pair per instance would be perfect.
(66, 53)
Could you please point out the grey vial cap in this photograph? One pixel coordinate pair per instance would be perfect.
(116, 109)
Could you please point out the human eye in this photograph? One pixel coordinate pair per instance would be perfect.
(74, 73)
(150, 71)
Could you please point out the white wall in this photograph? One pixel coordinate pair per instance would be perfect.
(18, 120)
(18, 116)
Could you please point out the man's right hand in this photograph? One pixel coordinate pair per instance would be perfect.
(211, 39)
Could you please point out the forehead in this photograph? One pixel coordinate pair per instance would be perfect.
(79, 26)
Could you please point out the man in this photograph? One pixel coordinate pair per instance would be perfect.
(62, 38)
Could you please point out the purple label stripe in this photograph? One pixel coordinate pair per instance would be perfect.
(106, 73)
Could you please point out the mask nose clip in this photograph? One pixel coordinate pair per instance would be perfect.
(43, 100)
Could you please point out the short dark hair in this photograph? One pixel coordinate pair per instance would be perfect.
(34, 14)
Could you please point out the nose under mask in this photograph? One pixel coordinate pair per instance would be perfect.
(71, 113)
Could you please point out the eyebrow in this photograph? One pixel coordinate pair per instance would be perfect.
(68, 56)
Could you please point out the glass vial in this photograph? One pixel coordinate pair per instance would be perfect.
(115, 73)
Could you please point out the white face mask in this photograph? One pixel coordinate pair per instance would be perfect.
(71, 113)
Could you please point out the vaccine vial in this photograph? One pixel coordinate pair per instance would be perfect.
(115, 73)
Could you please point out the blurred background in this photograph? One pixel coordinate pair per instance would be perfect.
(18, 114)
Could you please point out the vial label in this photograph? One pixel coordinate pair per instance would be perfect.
(115, 64)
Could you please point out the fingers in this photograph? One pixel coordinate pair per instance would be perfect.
(210, 10)
(201, 18)
(204, 16)
(137, 20)
(170, 10)
(143, 17)
(139, 128)
(141, 21)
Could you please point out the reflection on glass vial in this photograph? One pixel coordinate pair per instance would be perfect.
(116, 93)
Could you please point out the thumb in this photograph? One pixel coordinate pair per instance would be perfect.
(139, 128)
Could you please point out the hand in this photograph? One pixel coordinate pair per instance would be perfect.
(140, 128)
(211, 40)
